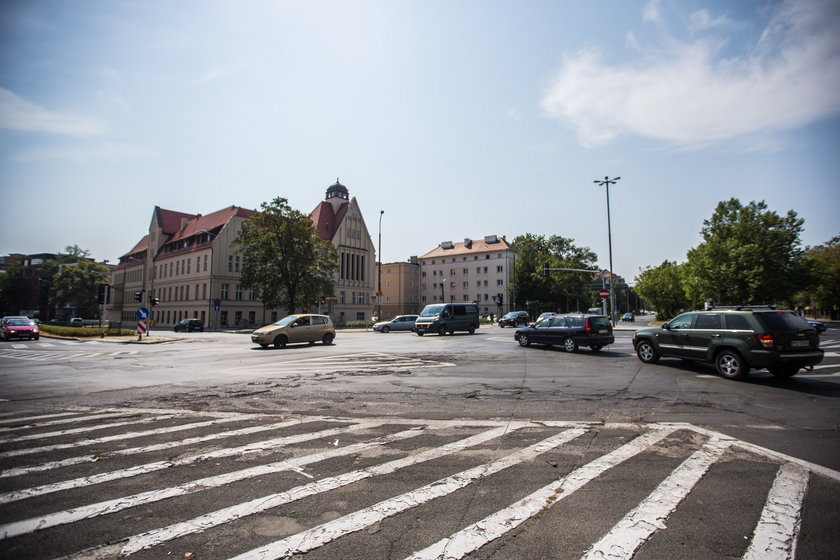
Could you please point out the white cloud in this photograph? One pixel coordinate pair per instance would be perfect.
(687, 94)
(17, 113)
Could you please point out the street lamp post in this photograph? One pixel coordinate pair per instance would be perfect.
(379, 274)
(606, 183)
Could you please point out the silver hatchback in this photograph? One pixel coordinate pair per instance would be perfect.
(398, 323)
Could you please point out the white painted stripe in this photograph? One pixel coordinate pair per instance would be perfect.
(326, 532)
(33, 418)
(148, 448)
(478, 534)
(112, 506)
(622, 542)
(84, 429)
(119, 437)
(778, 527)
(64, 421)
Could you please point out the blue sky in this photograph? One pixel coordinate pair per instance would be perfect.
(458, 119)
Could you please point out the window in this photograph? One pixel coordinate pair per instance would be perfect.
(500, 282)
(188, 266)
(361, 298)
(236, 265)
(204, 291)
(230, 263)
(205, 263)
(238, 291)
(478, 270)
(466, 271)
(682, 322)
(499, 269)
(251, 295)
(341, 297)
(708, 321)
(177, 268)
(225, 290)
(737, 323)
(223, 315)
(187, 292)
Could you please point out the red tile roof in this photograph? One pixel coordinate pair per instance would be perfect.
(477, 246)
(199, 223)
(326, 221)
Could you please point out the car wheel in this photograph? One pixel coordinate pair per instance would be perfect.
(596, 347)
(442, 331)
(524, 340)
(328, 338)
(280, 341)
(569, 344)
(472, 329)
(646, 352)
(419, 333)
(787, 370)
(501, 326)
(263, 344)
(386, 329)
(731, 365)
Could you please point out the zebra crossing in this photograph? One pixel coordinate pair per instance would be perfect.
(150, 483)
(57, 350)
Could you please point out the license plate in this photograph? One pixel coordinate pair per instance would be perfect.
(800, 343)
(603, 331)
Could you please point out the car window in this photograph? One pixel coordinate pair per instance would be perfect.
(574, 321)
(600, 322)
(737, 323)
(707, 321)
(557, 322)
(318, 321)
(682, 322)
(302, 322)
(783, 321)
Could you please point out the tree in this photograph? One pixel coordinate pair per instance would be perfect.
(748, 255)
(77, 285)
(11, 286)
(664, 288)
(557, 290)
(826, 261)
(285, 260)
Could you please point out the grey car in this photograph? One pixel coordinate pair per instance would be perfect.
(398, 323)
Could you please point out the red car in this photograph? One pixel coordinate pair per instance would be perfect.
(20, 328)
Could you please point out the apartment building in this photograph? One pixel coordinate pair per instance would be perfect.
(472, 270)
(338, 219)
(400, 287)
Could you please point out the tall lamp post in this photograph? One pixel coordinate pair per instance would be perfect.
(606, 183)
(379, 274)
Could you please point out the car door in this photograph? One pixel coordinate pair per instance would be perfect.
(674, 340)
(299, 331)
(555, 332)
(705, 333)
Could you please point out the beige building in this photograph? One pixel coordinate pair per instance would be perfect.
(187, 263)
(339, 220)
(478, 271)
(400, 287)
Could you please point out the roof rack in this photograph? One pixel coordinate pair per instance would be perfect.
(742, 307)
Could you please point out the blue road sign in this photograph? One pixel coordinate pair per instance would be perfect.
(142, 313)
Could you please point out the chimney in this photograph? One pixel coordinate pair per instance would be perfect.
(467, 243)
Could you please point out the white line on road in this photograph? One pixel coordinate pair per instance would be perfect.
(778, 528)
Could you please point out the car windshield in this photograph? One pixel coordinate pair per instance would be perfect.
(20, 322)
(431, 310)
(286, 320)
(784, 321)
(511, 315)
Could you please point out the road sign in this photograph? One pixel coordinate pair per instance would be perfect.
(142, 313)
(141, 327)
(604, 294)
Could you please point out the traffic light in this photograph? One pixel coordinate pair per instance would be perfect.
(104, 293)
(138, 296)
(545, 269)
(154, 301)
(500, 299)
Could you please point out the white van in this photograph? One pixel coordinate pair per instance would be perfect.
(442, 318)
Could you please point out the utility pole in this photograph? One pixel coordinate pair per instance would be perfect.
(379, 280)
(606, 183)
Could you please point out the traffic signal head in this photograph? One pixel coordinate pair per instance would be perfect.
(138, 296)
(501, 299)
(154, 301)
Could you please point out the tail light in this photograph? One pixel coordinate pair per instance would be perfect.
(766, 340)
(586, 324)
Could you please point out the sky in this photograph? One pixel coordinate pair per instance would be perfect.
(458, 119)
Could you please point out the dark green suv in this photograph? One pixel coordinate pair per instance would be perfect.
(735, 340)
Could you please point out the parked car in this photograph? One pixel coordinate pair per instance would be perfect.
(569, 331)
(735, 340)
(629, 317)
(296, 328)
(190, 325)
(16, 327)
(398, 323)
(514, 319)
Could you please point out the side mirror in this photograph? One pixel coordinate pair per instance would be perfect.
(666, 326)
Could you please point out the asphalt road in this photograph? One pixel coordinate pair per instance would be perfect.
(398, 446)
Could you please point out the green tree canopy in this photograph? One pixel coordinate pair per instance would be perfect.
(749, 255)
(663, 287)
(557, 291)
(77, 284)
(826, 261)
(285, 260)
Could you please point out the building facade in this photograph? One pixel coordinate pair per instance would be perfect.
(400, 287)
(339, 220)
(188, 263)
(478, 271)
